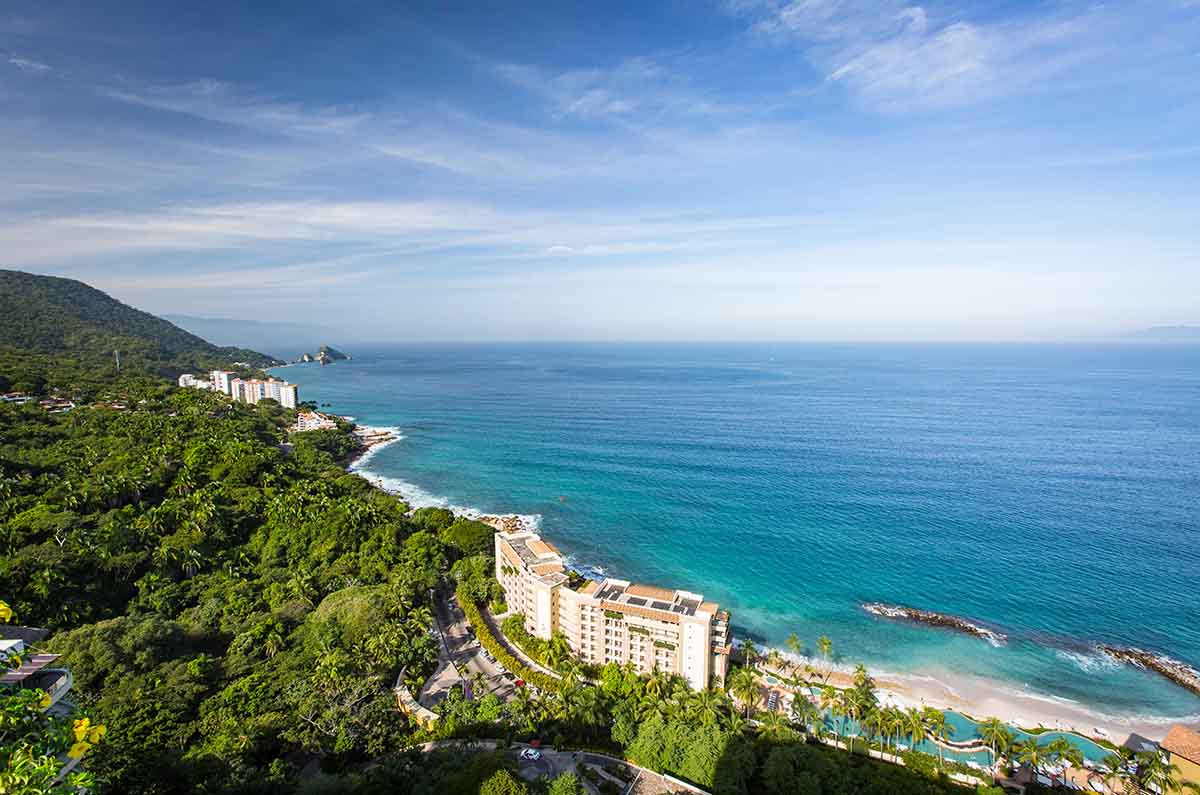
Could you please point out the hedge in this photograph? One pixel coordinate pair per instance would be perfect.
(483, 633)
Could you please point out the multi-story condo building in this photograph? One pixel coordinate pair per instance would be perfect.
(246, 390)
(614, 620)
(221, 379)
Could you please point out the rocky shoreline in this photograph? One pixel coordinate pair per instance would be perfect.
(1180, 673)
(509, 523)
(930, 618)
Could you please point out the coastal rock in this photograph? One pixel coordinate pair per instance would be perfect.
(1180, 673)
(930, 618)
(506, 524)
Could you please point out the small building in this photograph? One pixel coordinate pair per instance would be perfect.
(36, 670)
(1183, 745)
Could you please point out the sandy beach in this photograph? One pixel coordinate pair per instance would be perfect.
(980, 698)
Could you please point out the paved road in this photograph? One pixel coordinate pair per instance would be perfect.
(459, 656)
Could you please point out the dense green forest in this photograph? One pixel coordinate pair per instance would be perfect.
(236, 609)
(60, 331)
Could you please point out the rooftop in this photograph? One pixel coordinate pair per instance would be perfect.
(650, 597)
(1182, 741)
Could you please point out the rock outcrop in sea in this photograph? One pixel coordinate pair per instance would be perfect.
(1180, 673)
(930, 618)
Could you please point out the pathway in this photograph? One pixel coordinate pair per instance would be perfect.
(459, 656)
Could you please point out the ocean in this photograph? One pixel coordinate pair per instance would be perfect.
(1051, 492)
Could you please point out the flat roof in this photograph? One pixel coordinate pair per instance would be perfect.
(650, 597)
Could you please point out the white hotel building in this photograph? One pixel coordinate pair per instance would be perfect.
(245, 390)
(614, 620)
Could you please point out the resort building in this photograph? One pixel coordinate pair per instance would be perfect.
(614, 620)
(245, 390)
(311, 421)
(220, 380)
(1183, 745)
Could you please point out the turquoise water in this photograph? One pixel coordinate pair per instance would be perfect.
(966, 729)
(1050, 491)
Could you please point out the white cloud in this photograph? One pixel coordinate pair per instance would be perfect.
(899, 56)
(28, 65)
(218, 101)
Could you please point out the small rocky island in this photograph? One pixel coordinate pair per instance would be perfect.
(1181, 674)
(930, 618)
(324, 355)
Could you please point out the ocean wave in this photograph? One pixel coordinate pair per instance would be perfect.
(418, 497)
(397, 435)
(1048, 698)
(1089, 663)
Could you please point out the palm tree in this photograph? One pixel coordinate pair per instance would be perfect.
(1060, 750)
(995, 733)
(825, 648)
(749, 652)
(831, 703)
(736, 724)
(1155, 771)
(896, 723)
(774, 660)
(943, 731)
(587, 707)
(806, 714)
(793, 644)
(914, 726)
(707, 706)
(1030, 753)
(558, 652)
(850, 707)
(875, 724)
(272, 644)
(655, 684)
(1122, 769)
(773, 726)
(744, 686)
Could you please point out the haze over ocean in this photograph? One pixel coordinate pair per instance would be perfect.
(1051, 491)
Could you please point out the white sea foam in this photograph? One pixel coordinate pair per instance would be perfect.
(418, 497)
(1090, 663)
(360, 462)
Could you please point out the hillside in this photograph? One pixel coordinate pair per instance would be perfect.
(72, 324)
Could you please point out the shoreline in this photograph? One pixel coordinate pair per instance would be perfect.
(968, 694)
(980, 697)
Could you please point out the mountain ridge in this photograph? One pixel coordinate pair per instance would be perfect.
(69, 321)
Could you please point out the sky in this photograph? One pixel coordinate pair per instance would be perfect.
(674, 170)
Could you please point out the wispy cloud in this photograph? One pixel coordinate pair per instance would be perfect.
(220, 101)
(899, 57)
(27, 65)
(638, 86)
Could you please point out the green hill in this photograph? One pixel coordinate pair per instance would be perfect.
(72, 326)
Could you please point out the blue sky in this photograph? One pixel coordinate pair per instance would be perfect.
(735, 169)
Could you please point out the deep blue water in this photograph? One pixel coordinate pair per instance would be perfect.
(1050, 490)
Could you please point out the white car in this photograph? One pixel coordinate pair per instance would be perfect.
(531, 754)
